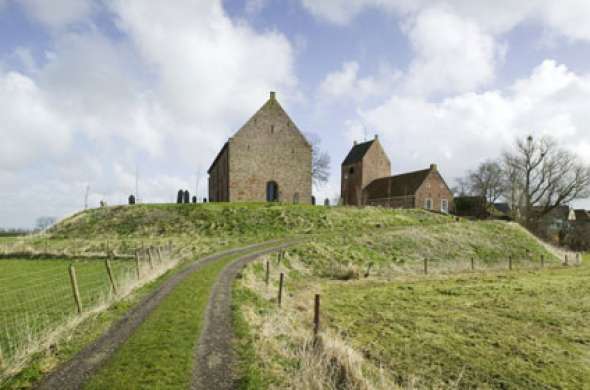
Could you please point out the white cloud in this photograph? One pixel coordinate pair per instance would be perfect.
(452, 54)
(346, 83)
(460, 131)
(59, 13)
(568, 18)
(163, 96)
(30, 128)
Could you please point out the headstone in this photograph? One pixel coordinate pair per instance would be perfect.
(187, 197)
(327, 202)
(131, 199)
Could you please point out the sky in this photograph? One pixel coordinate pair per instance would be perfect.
(97, 93)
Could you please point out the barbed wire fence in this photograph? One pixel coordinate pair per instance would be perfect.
(41, 299)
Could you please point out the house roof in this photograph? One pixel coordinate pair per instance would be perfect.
(503, 207)
(357, 152)
(398, 185)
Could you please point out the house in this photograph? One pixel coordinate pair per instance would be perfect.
(582, 215)
(267, 159)
(366, 180)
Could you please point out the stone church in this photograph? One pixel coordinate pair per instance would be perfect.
(366, 180)
(268, 159)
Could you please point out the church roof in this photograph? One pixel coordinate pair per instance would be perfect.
(398, 185)
(357, 152)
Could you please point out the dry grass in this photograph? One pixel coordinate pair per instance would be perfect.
(285, 343)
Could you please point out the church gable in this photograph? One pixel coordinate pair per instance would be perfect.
(270, 120)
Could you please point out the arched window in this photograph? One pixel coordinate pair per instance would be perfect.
(272, 191)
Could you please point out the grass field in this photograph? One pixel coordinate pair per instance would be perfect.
(488, 328)
(519, 330)
(36, 296)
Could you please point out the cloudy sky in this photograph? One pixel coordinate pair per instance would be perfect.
(92, 91)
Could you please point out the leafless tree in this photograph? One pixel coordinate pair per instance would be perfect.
(487, 181)
(544, 176)
(320, 165)
(461, 187)
(43, 223)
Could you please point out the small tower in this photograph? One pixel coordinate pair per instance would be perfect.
(364, 163)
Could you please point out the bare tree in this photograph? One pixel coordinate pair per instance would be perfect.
(487, 181)
(43, 223)
(544, 176)
(461, 187)
(320, 164)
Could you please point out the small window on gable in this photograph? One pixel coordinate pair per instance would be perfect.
(351, 170)
(272, 129)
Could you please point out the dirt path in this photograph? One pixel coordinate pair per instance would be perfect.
(74, 373)
(214, 350)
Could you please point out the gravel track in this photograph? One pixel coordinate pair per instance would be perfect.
(214, 351)
(74, 373)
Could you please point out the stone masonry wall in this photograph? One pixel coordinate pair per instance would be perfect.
(269, 147)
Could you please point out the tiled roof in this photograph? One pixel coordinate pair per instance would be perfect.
(357, 152)
(399, 185)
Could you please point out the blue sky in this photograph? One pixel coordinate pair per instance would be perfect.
(91, 90)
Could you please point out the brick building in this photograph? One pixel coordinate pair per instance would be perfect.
(364, 163)
(366, 180)
(268, 159)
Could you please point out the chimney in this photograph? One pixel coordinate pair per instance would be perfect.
(354, 143)
(433, 167)
(273, 95)
(376, 136)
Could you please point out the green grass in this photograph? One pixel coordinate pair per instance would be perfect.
(242, 219)
(490, 244)
(85, 333)
(523, 329)
(250, 373)
(36, 296)
(160, 353)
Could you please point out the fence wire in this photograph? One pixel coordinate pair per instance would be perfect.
(37, 299)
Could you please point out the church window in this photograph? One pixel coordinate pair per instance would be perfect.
(351, 170)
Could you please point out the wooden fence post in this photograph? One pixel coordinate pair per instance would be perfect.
(566, 261)
(425, 266)
(281, 280)
(510, 263)
(107, 263)
(316, 316)
(542, 261)
(75, 291)
(579, 259)
(137, 264)
(472, 264)
(159, 255)
(149, 253)
(267, 272)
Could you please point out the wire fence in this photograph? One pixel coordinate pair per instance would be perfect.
(41, 299)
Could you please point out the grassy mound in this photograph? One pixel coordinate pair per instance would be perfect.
(251, 219)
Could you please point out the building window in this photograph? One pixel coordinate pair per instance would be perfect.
(428, 204)
(272, 129)
(351, 171)
(444, 206)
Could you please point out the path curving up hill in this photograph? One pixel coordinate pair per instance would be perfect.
(76, 372)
